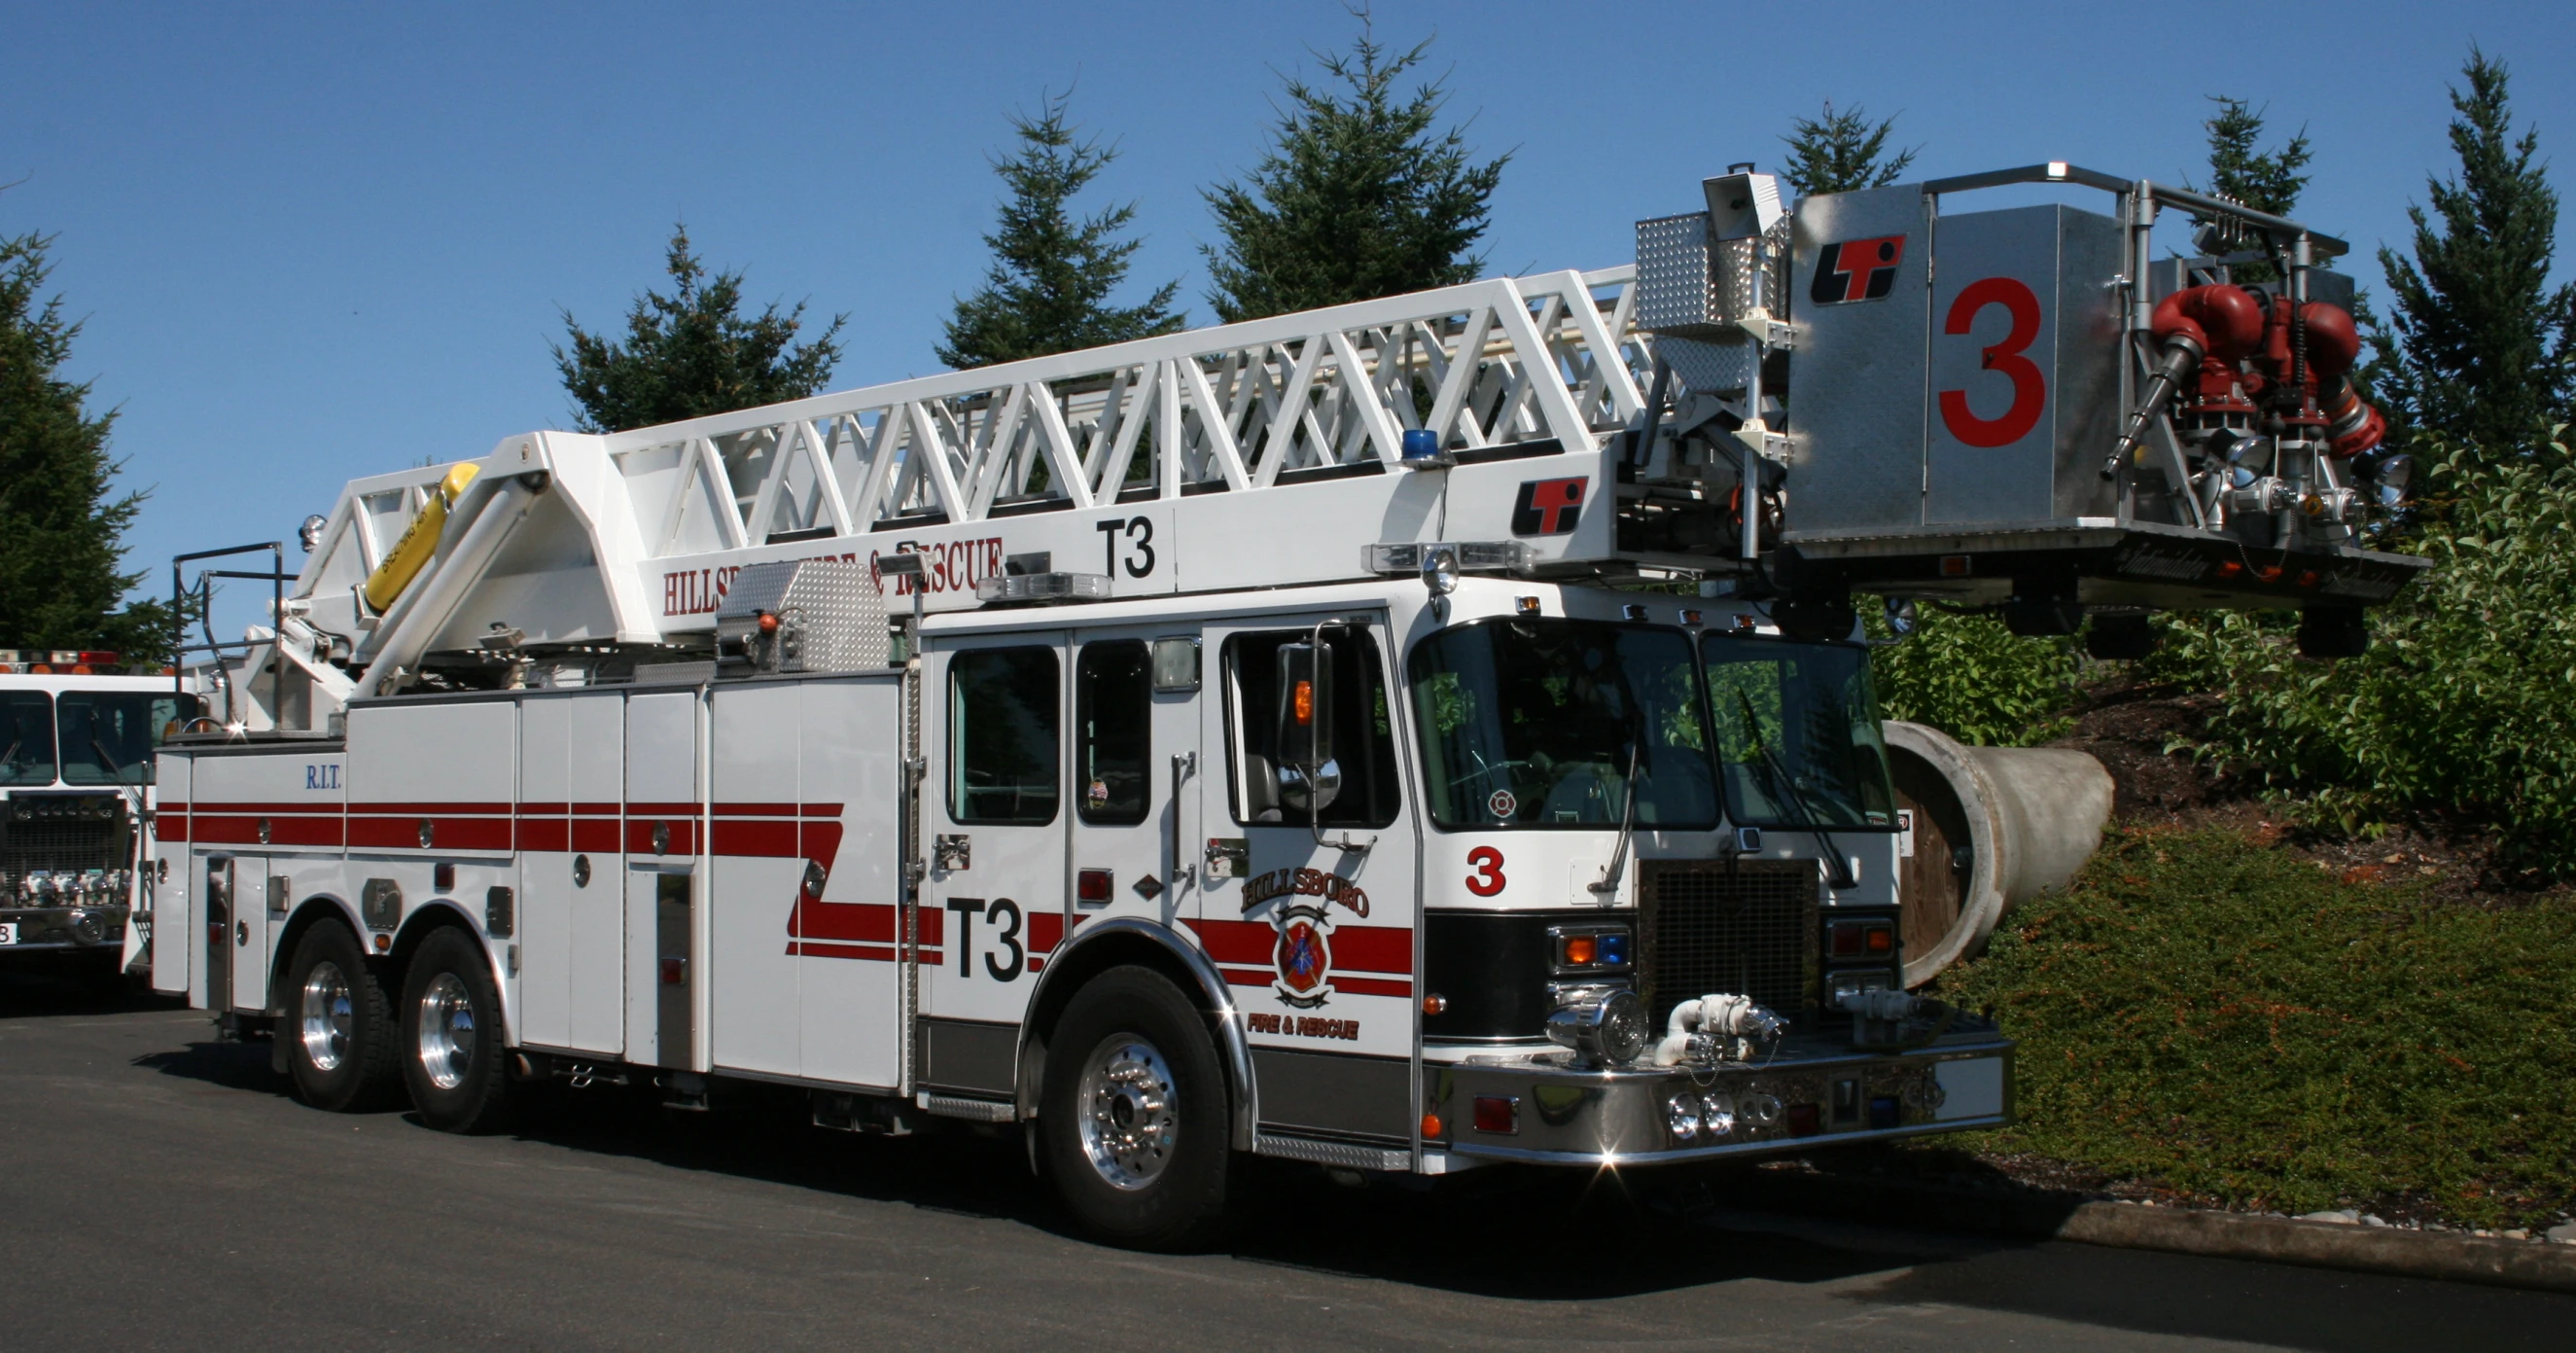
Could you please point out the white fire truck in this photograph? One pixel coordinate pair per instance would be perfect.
(1401, 737)
(77, 738)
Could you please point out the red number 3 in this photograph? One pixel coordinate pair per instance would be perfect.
(1488, 878)
(2030, 388)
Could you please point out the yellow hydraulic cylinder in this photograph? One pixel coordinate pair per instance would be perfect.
(419, 540)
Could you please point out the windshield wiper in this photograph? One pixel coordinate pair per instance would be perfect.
(117, 769)
(1607, 886)
(1837, 872)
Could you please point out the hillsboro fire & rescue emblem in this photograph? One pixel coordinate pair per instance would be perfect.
(1304, 954)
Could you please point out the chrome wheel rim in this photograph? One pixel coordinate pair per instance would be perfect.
(1128, 1111)
(446, 1031)
(325, 1015)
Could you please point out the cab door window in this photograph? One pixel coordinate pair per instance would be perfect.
(1112, 722)
(1003, 737)
(1362, 735)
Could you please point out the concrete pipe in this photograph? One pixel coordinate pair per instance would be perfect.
(1993, 827)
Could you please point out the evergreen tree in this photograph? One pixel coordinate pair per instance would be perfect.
(61, 530)
(692, 353)
(2266, 180)
(1357, 197)
(1842, 152)
(2478, 347)
(1048, 288)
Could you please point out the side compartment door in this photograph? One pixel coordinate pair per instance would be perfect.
(994, 807)
(214, 984)
(173, 887)
(595, 932)
(756, 869)
(1316, 938)
(665, 897)
(251, 929)
(545, 870)
(844, 935)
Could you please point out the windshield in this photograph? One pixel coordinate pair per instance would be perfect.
(26, 738)
(1536, 723)
(108, 736)
(1797, 733)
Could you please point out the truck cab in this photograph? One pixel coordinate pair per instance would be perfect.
(77, 746)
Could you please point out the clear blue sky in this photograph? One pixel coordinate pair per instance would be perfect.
(315, 242)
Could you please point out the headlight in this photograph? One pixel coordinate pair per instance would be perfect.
(1717, 1113)
(1681, 1116)
(89, 927)
(1850, 983)
(1603, 1026)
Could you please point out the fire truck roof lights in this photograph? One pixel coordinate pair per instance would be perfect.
(1473, 556)
(68, 661)
(1043, 587)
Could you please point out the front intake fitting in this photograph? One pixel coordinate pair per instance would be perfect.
(1715, 1027)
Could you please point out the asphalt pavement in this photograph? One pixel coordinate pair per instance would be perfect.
(163, 1190)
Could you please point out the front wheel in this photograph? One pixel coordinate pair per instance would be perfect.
(1132, 1119)
(451, 1037)
(338, 1029)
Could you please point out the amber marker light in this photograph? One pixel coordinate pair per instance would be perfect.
(1305, 702)
(1432, 1126)
(1435, 1004)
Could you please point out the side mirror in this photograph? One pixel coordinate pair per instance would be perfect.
(1309, 779)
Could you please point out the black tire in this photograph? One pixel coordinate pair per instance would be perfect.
(1157, 1190)
(337, 1027)
(453, 1052)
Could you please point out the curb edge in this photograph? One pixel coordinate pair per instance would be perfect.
(2441, 1255)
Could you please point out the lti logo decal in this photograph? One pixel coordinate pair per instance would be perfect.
(1304, 955)
(1857, 270)
(1548, 507)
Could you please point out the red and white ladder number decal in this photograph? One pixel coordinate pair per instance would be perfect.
(2029, 384)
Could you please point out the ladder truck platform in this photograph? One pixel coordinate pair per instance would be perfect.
(1401, 737)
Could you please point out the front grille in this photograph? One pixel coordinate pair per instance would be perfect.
(1745, 928)
(58, 834)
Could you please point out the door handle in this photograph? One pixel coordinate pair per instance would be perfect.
(1184, 765)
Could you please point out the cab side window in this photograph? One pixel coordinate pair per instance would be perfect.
(26, 738)
(1112, 723)
(1004, 736)
(1363, 735)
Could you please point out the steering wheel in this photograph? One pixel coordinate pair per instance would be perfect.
(1498, 772)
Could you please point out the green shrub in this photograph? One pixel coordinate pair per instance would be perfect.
(2232, 1021)
(1975, 680)
(2464, 708)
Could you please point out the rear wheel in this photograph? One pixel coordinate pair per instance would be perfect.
(338, 1029)
(451, 1037)
(1132, 1120)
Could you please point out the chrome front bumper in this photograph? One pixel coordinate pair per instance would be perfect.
(1827, 1095)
